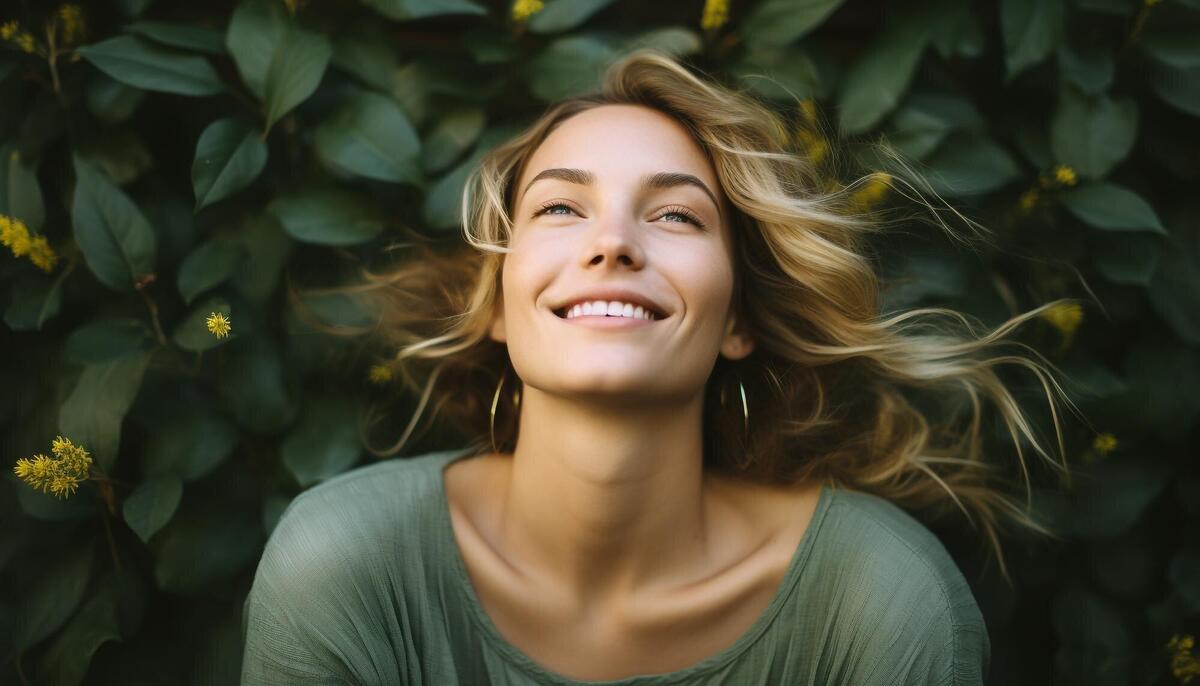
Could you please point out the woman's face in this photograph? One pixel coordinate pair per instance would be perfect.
(588, 227)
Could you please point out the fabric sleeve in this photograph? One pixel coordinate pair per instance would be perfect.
(298, 620)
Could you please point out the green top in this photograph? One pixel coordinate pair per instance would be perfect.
(362, 582)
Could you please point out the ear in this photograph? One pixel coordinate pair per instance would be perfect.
(496, 331)
(737, 343)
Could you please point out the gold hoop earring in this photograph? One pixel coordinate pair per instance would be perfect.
(495, 401)
(745, 406)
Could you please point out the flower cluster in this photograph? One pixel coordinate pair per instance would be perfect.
(380, 374)
(15, 235)
(1105, 443)
(874, 190)
(1184, 665)
(716, 13)
(1066, 318)
(71, 25)
(1059, 176)
(12, 32)
(218, 324)
(59, 475)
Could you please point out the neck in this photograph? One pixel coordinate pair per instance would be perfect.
(609, 498)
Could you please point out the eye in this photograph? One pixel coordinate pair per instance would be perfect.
(688, 215)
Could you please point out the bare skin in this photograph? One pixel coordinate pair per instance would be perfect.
(755, 531)
(600, 547)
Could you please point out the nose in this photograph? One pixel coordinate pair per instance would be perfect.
(614, 242)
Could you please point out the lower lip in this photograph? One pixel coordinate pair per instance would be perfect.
(606, 322)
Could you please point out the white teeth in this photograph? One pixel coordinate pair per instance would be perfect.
(612, 308)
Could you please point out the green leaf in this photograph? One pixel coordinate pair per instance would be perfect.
(229, 156)
(117, 241)
(20, 193)
(780, 22)
(569, 66)
(208, 266)
(328, 216)
(35, 301)
(107, 339)
(1090, 68)
(1032, 29)
(402, 10)
(44, 608)
(673, 40)
(190, 446)
(110, 100)
(296, 68)
(1175, 289)
(370, 135)
(1083, 618)
(1162, 371)
(1109, 494)
(324, 442)
(1178, 87)
(253, 383)
(875, 83)
(138, 63)
(92, 415)
(255, 32)
(1183, 572)
(967, 164)
(120, 154)
(1111, 207)
(1128, 258)
(150, 506)
(557, 17)
(925, 119)
(185, 36)
(114, 610)
(1092, 134)
(266, 247)
(454, 133)
(206, 542)
(193, 334)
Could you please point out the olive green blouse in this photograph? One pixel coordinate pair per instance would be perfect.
(362, 582)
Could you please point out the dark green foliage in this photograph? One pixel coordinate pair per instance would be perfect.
(186, 159)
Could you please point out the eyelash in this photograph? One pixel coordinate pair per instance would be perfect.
(670, 209)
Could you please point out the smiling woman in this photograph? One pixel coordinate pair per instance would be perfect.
(667, 329)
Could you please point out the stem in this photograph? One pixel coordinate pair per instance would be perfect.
(162, 338)
(112, 545)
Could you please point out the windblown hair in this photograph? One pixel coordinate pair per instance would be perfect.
(829, 382)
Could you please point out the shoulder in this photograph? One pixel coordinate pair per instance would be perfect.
(360, 516)
(903, 584)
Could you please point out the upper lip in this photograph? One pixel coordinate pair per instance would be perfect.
(608, 294)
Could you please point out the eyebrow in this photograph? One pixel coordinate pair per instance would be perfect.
(657, 181)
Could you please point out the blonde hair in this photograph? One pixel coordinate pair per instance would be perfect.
(827, 381)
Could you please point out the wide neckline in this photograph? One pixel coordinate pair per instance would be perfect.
(462, 582)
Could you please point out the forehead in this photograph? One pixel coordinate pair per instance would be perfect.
(620, 143)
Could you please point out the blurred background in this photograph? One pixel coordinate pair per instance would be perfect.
(174, 175)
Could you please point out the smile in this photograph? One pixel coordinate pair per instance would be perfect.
(608, 314)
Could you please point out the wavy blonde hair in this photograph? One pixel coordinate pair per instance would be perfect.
(827, 382)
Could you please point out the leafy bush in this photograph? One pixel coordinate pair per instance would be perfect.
(167, 168)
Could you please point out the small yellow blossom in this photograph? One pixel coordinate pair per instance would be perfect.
(871, 192)
(11, 31)
(380, 374)
(71, 26)
(524, 9)
(218, 324)
(1064, 317)
(1064, 175)
(1184, 665)
(15, 235)
(61, 475)
(1029, 199)
(716, 13)
(1105, 443)
(814, 144)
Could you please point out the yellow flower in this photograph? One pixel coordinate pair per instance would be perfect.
(1064, 175)
(380, 374)
(60, 476)
(72, 26)
(1029, 199)
(15, 235)
(524, 9)
(218, 324)
(9, 29)
(1105, 443)
(716, 13)
(1184, 665)
(1066, 318)
(872, 191)
(41, 254)
(814, 144)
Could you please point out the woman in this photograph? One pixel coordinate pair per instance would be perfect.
(696, 456)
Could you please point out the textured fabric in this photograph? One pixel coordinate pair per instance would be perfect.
(361, 582)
